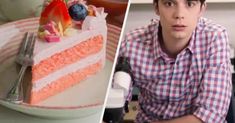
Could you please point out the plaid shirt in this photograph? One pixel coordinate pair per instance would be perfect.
(197, 81)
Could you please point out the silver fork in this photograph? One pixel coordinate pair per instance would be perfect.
(25, 59)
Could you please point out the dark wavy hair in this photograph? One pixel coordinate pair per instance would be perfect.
(202, 1)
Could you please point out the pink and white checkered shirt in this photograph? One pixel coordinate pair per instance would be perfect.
(197, 81)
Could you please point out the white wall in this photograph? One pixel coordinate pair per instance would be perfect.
(222, 13)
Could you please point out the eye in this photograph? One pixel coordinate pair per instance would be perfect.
(191, 3)
(168, 3)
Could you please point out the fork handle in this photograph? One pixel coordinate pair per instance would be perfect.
(16, 92)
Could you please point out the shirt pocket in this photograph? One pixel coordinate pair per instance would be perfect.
(162, 90)
(159, 89)
(153, 88)
(180, 86)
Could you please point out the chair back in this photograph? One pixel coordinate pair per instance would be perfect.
(231, 111)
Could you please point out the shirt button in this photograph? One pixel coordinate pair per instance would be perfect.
(177, 62)
(161, 61)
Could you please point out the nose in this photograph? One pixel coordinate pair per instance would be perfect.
(179, 12)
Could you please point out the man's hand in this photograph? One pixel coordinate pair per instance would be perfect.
(184, 119)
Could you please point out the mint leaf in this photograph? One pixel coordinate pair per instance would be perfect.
(66, 1)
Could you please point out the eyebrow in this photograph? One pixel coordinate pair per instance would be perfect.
(192, 0)
(175, 0)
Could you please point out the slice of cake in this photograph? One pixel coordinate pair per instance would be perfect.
(71, 47)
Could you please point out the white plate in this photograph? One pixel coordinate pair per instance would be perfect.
(84, 99)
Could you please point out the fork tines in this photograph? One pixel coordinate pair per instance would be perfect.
(24, 43)
(27, 48)
(31, 45)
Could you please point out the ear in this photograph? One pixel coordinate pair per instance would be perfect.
(203, 9)
(156, 8)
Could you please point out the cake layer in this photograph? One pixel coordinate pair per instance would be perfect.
(68, 56)
(64, 82)
(44, 50)
(80, 64)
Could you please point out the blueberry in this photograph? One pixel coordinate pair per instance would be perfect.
(78, 12)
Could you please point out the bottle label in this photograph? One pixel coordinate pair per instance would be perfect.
(122, 80)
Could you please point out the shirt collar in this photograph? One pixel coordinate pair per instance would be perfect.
(156, 41)
(190, 47)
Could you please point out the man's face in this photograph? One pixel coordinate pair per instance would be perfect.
(179, 17)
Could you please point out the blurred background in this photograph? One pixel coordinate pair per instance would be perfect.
(115, 8)
(11, 10)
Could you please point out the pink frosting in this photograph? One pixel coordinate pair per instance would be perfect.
(51, 28)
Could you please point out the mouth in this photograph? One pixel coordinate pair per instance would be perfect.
(178, 27)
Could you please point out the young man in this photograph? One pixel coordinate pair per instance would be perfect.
(180, 63)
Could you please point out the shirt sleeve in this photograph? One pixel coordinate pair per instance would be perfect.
(215, 88)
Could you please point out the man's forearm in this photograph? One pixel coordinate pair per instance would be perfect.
(184, 119)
